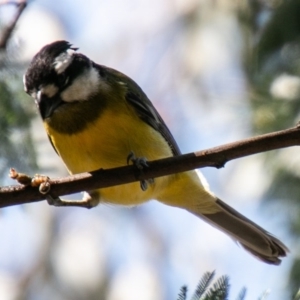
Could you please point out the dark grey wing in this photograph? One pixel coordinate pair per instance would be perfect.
(139, 101)
(147, 112)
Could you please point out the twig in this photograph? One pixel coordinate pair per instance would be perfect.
(214, 157)
(6, 33)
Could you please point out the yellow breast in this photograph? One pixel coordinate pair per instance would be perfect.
(106, 143)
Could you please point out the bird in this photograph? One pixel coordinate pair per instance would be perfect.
(97, 117)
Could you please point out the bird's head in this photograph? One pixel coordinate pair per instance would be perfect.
(58, 75)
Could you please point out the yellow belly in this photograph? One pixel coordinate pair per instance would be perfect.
(106, 143)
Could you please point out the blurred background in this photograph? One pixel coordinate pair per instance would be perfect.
(217, 71)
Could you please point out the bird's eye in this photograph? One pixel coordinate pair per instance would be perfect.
(63, 80)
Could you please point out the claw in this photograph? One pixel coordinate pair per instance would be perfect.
(130, 157)
(144, 185)
(140, 163)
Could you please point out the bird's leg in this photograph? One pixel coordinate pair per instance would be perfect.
(88, 200)
(140, 163)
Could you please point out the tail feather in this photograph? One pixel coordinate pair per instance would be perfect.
(249, 235)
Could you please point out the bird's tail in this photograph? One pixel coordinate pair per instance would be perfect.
(249, 235)
(191, 192)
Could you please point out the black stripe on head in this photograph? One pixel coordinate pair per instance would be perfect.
(45, 66)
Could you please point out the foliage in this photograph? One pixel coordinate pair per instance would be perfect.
(273, 70)
(204, 291)
(16, 146)
(219, 290)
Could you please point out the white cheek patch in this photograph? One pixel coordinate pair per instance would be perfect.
(63, 60)
(83, 87)
(49, 90)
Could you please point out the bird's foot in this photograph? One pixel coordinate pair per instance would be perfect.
(140, 163)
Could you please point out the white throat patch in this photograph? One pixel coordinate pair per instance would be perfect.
(63, 60)
(83, 87)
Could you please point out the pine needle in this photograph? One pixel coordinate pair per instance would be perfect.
(203, 284)
(219, 291)
(264, 295)
(183, 293)
(242, 294)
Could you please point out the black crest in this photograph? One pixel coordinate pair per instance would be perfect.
(42, 69)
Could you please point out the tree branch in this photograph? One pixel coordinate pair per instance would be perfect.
(7, 32)
(214, 157)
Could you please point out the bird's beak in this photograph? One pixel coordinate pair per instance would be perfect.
(48, 105)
